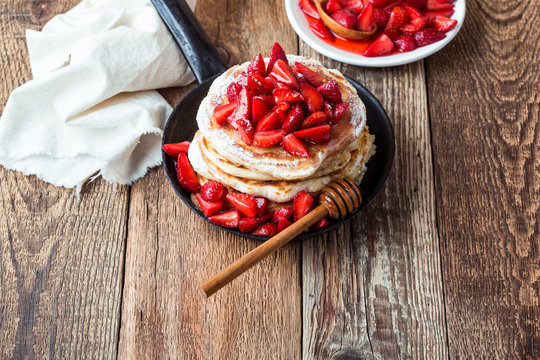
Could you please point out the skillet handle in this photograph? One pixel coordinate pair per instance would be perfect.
(200, 53)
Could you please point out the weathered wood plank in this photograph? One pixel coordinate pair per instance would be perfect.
(373, 289)
(484, 107)
(170, 250)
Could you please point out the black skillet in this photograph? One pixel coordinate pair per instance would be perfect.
(205, 63)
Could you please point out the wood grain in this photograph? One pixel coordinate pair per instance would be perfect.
(373, 289)
(170, 250)
(484, 105)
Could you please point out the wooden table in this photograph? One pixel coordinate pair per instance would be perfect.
(445, 263)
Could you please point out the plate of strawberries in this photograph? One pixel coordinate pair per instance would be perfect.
(406, 30)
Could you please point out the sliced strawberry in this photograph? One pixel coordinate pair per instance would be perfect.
(418, 4)
(281, 111)
(229, 219)
(268, 138)
(380, 18)
(345, 18)
(438, 5)
(318, 134)
(398, 18)
(330, 90)
(268, 229)
(416, 24)
(428, 36)
(233, 91)
(321, 30)
(339, 110)
(240, 118)
(381, 46)
(309, 9)
(258, 109)
(354, 5)
(332, 6)
(431, 15)
(175, 149)
(283, 73)
(213, 191)
(262, 205)
(222, 112)
(294, 119)
(382, 3)
(186, 176)
(283, 224)
(268, 100)
(365, 19)
(321, 224)
(443, 23)
(249, 224)
(209, 208)
(315, 118)
(269, 122)
(242, 79)
(244, 203)
(312, 77)
(286, 95)
(392, 33)
(282, 213)
(405, 42)
(276, 54)
(302, 204)
(312, 97)
(412, 12)
(259, 85)
(257, 66)
(293, 146)
(328, 109)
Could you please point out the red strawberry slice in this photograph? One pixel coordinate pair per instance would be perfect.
(244, 203)
(321, 224)
(419, 4)
(258, 109)
(345, 18)
(412, 12)
(321, 30)
(398, 18)
(391, 33)
(281, 111)
(380, 18)
(186, 176)
(282, 213)
(339, 110)
(354, 5)
(382, 3)
(309, 8)
(242, 79)
(229, 219)
(259, 85)
(293, 146)
(443, 23)
(328, 109)
(428, 36)
(213, 191)
(269, 122)
(432, 14)
(438, 5)
(381, 46)
(276, 54)
(302, 204)
(315, 118)
(283, 73)
(405, 43)
(249, 224)
(209, 208)
(330, 90)
(312, 77)
(262, 205)
(283, 224)
(312, 97)
(332, 6)
(286, 95)
(257, 66)
(240, 118)
(268, 100)
(175, 149)
(365, 19)
(415, 25)
(268, 229)
(233, 92)
(318, 134)
(294, 119)
(268, 138)
(222, 112)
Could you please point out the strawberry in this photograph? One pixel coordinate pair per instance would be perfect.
(276, 54)
(249, 224)
(282, 213)
(443, 23)
(269, 122)
(339, 111)
(268, 138)
(380, 18)
(355, 5)
(233, 91)
(281, 111)
(222, 112)
(381, 46)
(365, 19)
(428, 36)
(321, 30)
(283, 73)
(320, 134)
(259, 85)
(321, 224)
(312, 97)
(315, 118)
(398, 18)
(257, 66)
(239, 119)
(283, 224)
(262, 205)
(302, 204)
(294, 119)
(309, 9)
(186, 176)
(242, 79)
(293, 146)
(332, 6)
(419, 4)
(209, 208)
(431, 15)
(330, 90)
(229, 219)
(268, 229)
(213, 191)
(345, 18)
(246, 204)
(286, 95)
(415, 25)
(258, 109)
(381, 3)
(438, 5)
(405, 43)
(328, 109)
(175, 149)
(392, 33)
(412, 12)
(312, 77)
(268, 100)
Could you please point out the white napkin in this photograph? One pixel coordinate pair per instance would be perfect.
(85, 111)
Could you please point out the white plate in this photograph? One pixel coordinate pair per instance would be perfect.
(300, 25)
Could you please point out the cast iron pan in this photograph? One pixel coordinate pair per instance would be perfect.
(206, 65)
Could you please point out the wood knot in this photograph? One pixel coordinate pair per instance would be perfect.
(41, 9)
(341, 198)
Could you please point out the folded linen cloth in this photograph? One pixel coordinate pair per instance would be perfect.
(88, 110)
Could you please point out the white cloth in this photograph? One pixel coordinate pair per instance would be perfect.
(89, 108)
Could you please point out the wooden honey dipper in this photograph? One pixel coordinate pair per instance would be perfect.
(339, 199)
